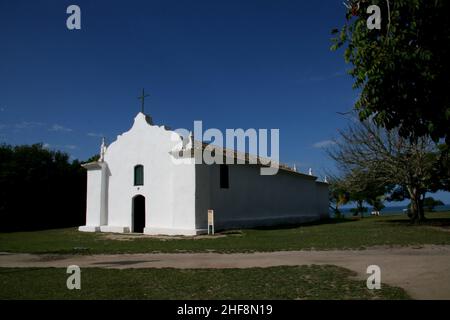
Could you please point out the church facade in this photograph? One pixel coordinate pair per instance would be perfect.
(138, 186)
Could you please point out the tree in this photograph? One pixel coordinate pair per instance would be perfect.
(360, 209)
(93, 158)
(40, 189)
(377, 203)
(337, 195)
(430, 203)
(384, 160)
(403, 70)
(443, 169)
(360, 190)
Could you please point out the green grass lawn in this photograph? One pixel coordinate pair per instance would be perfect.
(344, 234)
(303, 282)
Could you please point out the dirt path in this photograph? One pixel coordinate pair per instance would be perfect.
(422, 271)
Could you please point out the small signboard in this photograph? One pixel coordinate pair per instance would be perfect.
(210, 221)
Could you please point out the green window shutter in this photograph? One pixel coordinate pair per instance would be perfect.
(139, 175)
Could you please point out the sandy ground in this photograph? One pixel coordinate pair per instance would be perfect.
(424, 272)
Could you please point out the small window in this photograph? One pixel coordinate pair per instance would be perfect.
(139, 175)
(224, 177)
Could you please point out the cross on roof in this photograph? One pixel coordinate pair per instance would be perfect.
(142, 98)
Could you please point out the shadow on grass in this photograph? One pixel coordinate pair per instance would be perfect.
(305, 224)
(434, 222)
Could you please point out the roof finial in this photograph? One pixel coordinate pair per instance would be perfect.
(310, 172)
(102, 150)
(142, 98)
(295, 168)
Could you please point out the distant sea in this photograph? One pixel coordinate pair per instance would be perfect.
(389, 211)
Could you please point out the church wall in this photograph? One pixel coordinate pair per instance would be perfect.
(256, 200)
(168, 188)
(322, 194)
(178, 196)
(93, 205)
(183, 186)
(203, 189)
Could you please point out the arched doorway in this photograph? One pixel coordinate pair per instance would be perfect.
(138, 214)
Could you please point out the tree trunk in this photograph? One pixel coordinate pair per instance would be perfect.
(360, 208)
(421, 208)
(338, 212)
(417, 212)
(414, 195)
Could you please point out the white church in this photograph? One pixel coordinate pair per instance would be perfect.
(136, 186)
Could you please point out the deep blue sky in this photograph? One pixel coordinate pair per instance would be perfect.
(231, 64)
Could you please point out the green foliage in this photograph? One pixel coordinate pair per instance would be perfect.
(374, 161)
(93, 158)
(442, 169)
(337, 196)
(377, 203)
(359, 210)
(430, 203)
(359, 188)
(40, 188)
(403, 70)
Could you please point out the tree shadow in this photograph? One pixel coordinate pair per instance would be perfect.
(305, 224)
(430, 221)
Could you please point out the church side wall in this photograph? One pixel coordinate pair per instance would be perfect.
(203, 189)
(322, 201)
(255, 200)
